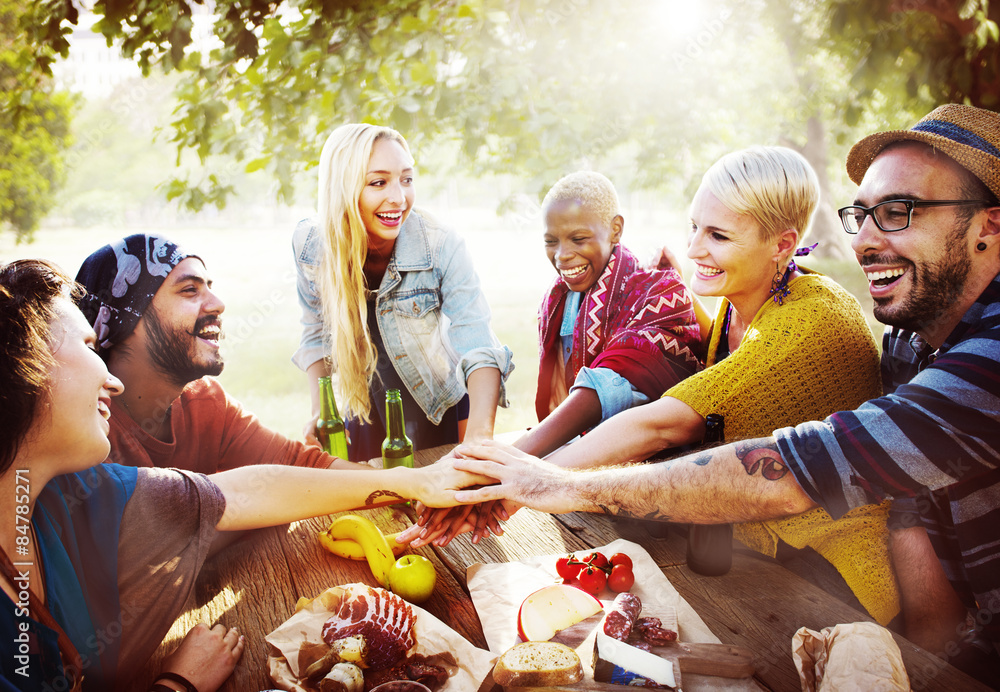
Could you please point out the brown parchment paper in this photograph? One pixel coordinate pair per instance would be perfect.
(498, 589)
(859, 656)
(432, 635)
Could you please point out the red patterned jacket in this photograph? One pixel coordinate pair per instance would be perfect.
(639, 323)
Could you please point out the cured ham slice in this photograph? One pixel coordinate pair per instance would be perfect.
(384, 620)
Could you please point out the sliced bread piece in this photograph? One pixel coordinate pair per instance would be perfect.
(536, 664)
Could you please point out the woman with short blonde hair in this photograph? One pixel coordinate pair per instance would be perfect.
(787, 345)
(775, 186)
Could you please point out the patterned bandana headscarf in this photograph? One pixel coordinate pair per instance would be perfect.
(121, 280)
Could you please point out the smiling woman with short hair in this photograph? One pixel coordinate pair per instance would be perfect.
(787, 345)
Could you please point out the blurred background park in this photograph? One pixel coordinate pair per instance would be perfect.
(204, 121)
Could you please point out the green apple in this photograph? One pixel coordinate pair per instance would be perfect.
(412, 577)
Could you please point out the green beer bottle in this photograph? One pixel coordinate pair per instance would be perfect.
(330, 426)
(397, 450)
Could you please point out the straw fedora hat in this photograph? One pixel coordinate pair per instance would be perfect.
(969, 135)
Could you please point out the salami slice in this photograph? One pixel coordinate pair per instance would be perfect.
(658, 636)
(623, 613)
(652, 631)
(644, 623)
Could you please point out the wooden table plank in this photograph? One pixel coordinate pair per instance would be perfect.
(664, 544)
(763, 606)
(527, 533)
(759, 604)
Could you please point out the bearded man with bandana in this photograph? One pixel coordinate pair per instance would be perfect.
(159, 325)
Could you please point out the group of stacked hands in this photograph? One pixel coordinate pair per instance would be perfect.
(888, 468)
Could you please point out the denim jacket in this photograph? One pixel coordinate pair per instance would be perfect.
(434, 319)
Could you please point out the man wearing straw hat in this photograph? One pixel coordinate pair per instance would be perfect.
(926, 230)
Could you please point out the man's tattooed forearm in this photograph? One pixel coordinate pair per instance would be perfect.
(756, 455)
(379, 494)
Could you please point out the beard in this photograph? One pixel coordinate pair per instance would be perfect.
(172, 349)
(935, 287)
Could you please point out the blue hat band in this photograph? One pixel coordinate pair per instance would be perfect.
(957, 134)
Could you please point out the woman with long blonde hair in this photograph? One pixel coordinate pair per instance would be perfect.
(390, 300)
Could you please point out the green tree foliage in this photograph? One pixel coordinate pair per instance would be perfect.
(532, 87)
(34, 129)
(928, 51)
(539, 87)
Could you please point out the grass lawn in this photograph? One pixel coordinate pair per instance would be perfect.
(255, 276)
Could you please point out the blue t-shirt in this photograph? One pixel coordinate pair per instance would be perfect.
(77, 520)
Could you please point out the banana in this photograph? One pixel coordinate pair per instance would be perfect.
(352, 550)
(370, 538)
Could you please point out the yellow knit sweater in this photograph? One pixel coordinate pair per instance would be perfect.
(800, 361)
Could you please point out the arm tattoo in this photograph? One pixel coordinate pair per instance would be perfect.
(376, 495)
(761, 457)
(701, 459)
(655, 515)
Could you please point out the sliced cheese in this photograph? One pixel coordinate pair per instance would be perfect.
(634, 660)
(553, 608)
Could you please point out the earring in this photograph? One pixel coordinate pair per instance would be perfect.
(779, 283)
(981, 247)
(776, 279)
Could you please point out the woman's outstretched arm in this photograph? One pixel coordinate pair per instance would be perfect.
(269, 495)
(634, 435)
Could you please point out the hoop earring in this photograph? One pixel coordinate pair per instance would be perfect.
(981, 247)
(779, 283)
(776, 279)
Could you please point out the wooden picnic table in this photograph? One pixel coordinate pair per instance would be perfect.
(759, 604)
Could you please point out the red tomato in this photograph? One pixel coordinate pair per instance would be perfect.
(568, 567)
(597, 560)
(621, 559)
(592, 580)
(621, 578)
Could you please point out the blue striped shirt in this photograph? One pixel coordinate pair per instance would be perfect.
(932, 441)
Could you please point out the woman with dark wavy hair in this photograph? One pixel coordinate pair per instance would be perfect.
(89, 596)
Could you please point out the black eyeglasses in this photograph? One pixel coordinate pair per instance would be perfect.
(895, 214)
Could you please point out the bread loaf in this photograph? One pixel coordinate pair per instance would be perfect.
(536, 664)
